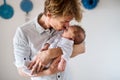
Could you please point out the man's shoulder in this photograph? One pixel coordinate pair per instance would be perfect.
(27, 25)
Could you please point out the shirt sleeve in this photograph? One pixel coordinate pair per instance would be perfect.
(67, 47)
(21, 48)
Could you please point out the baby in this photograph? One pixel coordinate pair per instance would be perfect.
(74, 34)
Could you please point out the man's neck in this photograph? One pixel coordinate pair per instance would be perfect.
(42, 21)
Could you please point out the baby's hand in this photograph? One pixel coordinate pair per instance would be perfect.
(46, 46)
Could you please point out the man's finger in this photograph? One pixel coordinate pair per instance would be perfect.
(55, 62)
(34, 68)
(39, 67)
(31, 65)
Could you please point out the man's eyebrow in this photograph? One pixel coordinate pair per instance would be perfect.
(65, 21)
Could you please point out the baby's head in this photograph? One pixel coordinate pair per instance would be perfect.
(76, 33)
(79, 34)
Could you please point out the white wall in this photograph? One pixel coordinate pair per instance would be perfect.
(101, 60)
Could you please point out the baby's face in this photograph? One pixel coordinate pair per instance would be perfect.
(74, 33)
(70, 32)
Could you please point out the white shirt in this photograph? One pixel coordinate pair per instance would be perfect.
(28, 41)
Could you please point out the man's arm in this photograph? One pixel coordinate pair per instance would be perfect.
(51, 53)
(51, 70)
(78, 49)
(44, 57)
(54, 52)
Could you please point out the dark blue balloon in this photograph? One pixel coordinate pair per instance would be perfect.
(26, 5)
(6, 11)
(90, 4)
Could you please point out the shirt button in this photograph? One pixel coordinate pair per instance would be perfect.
(30, 59)
(58, 76)
(24, 58)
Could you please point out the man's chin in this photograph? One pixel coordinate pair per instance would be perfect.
(59, 29)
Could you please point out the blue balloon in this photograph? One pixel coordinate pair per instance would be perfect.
(6, 11)
(26, 5)
(90, 4)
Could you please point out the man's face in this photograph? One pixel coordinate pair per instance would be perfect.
(60, 23)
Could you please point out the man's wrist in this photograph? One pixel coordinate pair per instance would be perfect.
(54, 52)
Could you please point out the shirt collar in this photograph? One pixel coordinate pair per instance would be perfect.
(39, 28)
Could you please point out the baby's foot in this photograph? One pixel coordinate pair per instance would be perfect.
(61, 65)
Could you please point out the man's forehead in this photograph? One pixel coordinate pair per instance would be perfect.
(67, 18)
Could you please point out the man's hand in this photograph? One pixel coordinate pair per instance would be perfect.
(41, 60)
(51, 70)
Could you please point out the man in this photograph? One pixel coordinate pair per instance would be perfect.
(30, 37)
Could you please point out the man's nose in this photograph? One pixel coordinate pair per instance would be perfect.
(67, 24)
